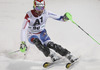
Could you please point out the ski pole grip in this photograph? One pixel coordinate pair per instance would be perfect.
(69, 16)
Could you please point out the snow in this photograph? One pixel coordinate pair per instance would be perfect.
(84, 12)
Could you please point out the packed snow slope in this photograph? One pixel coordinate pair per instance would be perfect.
(86, 13)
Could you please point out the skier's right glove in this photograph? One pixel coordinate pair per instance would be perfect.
(23, 46)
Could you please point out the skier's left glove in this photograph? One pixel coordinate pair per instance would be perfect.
(65, 17)
(23, 46)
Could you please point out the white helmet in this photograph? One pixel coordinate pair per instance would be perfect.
(39, 5)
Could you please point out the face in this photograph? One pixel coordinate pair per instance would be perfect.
(39, 9)
(39, 12)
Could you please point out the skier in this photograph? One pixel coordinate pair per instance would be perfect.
(34, 23)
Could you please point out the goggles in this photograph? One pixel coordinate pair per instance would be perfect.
(39, 8)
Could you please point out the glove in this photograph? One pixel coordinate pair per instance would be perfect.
(23, 46)
(67, 16)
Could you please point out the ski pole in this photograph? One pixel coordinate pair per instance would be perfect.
(14, 52)
(70, 18)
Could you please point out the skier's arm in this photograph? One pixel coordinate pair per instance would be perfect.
(56, 17)
(23, 30)
(25, 25)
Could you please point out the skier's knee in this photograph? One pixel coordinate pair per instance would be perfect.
(36, 41)
(41, 47)
(58, 48)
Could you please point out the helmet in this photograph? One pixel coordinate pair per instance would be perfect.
(39, 5)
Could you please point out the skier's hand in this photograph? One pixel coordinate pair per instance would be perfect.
(65, 17)
(23, 46)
